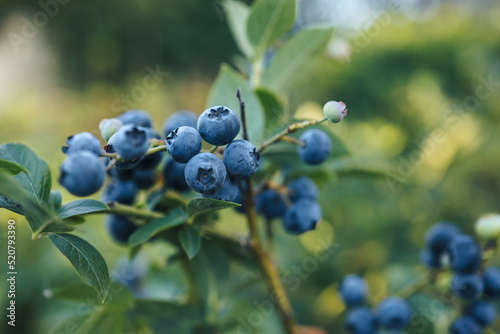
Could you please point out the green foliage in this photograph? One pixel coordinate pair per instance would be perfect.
(200, 206)
(81, 207)
(190, 239)
(146, 232)
(87, 261)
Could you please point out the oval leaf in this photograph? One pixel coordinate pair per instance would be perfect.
(202, 205)
(237, 14)
(190, 239)
(146, 232)
(11, 168)
(81, 207)
(269, 20)
(223, 93)
(290, 60)
(87, 261)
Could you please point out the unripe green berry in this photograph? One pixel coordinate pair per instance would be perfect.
(488, 226)
(335, 111)
(109, 126)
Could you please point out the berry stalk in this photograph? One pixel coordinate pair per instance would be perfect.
(288, 130)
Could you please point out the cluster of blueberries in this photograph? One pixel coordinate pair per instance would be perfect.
(479, 287)
(217, 175)
(392, 314)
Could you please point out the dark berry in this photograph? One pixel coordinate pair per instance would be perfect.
(241, 159)
(218, 125)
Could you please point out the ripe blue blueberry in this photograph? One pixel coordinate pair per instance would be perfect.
(218, 125)
(120, 228)
(317, 147)
(183, 143)
(82, 173)
(467, 286)
(173, 175)
(120, 174)
(205, 173)
(302, 216)
(271, 204)
(430, 258)
(303, 187)
(465, 325)
(150, 161)
(144, 178)
(241, 159)
(83, 141)
(130, 142)
(483, 312)
(491, 280)
(439, 236)
(178, 119)
(353, 290)
(120, 191)
(465, 254)
(394, 313)
(361, 320)
(239, 199)
(136, 117)
(228, 192)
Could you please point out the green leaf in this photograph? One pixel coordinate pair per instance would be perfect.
(203, 205)
(105, 320)
(55, 200)
(290, 60)
(274, 109)
(87, 261)
(11, 168)
(269, 20)
(237, 14)
(190, 239)
(164, 202)
(224, 93)
(146, 232)
(38, 182)
(19, 201)
(81, 207)
(133, 251)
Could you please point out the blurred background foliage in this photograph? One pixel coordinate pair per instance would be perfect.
(411, 79)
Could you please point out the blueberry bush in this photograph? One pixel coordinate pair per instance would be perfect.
(242, 153)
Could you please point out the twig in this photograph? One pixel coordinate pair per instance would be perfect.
(289, 129)
(419, 285)
(293, 140)
(242, 113)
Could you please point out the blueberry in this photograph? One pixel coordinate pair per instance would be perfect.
(239, 199)
(173, 175)
(430, 258)
(178, 119)
(302, 216)
(120, 174)
(205, 173)
(109, 126)
(183, 143)
(491, 280)
(130, 142)
(467, 286)
(353, 290)
(335, 111)
(83, 141)
(144, 178)
(439, 236)
(136, 117)
(150, 161)
(394, 313)
(82, 173)
(120, 228)
(483, 312)
(465, 254)
(271, 204)
(241, 159)
(317, 148)
(303, 187)
(228, 192)
(465, 325)
(361, 320)
(218, 125)
(120, 191)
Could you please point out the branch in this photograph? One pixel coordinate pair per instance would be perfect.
(242, 112)
(288, 130)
